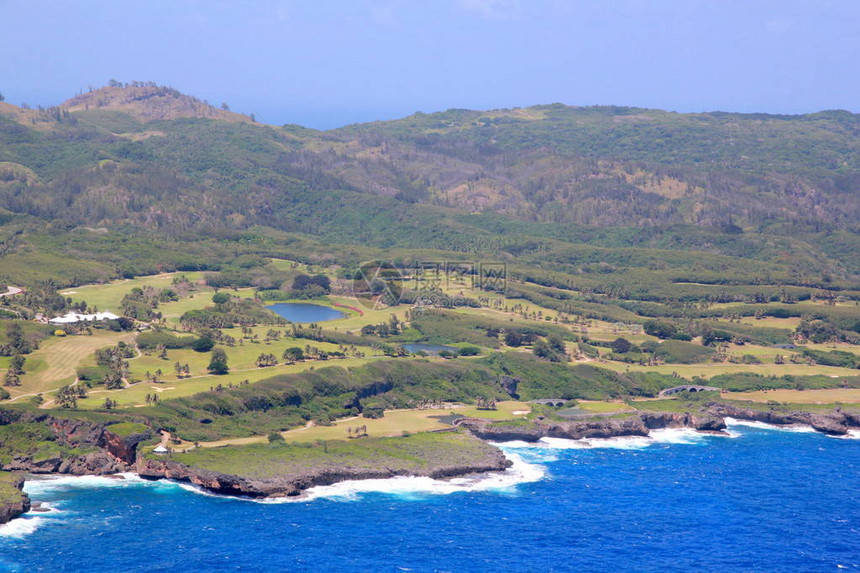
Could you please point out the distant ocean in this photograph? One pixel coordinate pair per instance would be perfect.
(760, 500)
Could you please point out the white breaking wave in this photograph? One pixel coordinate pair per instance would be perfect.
(851, 435)
(665, 436)
(410, 487)
(39, 486)
(20, 527)
(730, 422)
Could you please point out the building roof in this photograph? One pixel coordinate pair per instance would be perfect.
(73, 317)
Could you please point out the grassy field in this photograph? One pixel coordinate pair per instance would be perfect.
(108, 296)
(394, 423)
(135, 395)
(54, 363)
(406, 454)
(8, 492)
(601, 407)
(712, 369)
(829, 396)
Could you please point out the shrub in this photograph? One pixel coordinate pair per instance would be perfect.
(660, 329)
(203, 344)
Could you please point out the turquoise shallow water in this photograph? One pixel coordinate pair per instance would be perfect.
(762, 500)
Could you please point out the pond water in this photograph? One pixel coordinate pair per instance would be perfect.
(302, 312)
(428, 348)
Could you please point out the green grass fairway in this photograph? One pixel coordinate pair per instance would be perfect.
(712, 369)
(827, 396)
(136, 395)
(55, 362)
(108, 296)
(601, 407)
(394, 423)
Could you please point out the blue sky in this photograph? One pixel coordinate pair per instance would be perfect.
(325, 63)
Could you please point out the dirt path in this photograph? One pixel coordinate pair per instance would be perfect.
(60, 358)
(12, 291)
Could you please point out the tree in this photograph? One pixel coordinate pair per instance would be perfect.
(266, 359)
(294, 354)
(203, 344)
(660, 329)
(221, 297)
(513, 338)
(218, 362)
(11, 379)
(620, 345)
(67, 398)
(16, 366)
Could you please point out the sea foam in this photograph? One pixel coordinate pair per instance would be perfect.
(732, 422)
(43, 485)
(521, 471)
(665, 436)
(20, 527)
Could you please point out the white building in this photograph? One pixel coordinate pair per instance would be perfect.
(74, 317)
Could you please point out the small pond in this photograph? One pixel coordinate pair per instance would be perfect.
(428, 348)
(303, 312)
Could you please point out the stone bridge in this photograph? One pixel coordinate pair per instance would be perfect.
(556, 402)
(688, 388)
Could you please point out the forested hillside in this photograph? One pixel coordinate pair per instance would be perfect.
(106, 176)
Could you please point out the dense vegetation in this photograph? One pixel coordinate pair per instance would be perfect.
(688, 240)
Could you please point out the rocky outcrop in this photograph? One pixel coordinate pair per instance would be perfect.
(124, 448)
(835, 423)
(292, 483)
(92, 463)
(88, 448)
(15, 502)
(711, 418)
(603, 428)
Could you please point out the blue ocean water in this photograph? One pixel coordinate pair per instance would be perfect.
(762, 500)
(302, 312)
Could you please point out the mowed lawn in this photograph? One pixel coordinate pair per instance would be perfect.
(826, 396)
(707, 370)
(55, 362)
(602, 407)
(135, 395)
(108, 296)
(394, 423)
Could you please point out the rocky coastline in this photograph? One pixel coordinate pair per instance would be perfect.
(105, 453)
(292, 484)
(711, 418)
(15, 502)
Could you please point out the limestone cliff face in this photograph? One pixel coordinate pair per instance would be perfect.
(123, 448)
(104, 451)
(13, 508)
(638, 425)
(835, 423)
(293, 483)
(710, 418)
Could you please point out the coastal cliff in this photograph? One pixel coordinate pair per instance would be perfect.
(41, 443)
(13, 501)
(711, 417)
(288, 470)
(47, 444)
(635, 425)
